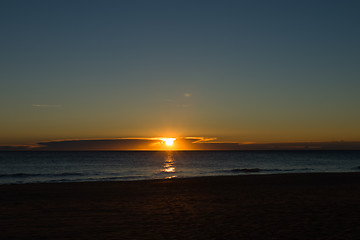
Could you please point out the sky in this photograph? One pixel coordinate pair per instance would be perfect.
(235, 72)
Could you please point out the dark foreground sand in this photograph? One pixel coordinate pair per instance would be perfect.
(294, 206)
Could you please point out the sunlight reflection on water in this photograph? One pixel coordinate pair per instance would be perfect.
(169, 165)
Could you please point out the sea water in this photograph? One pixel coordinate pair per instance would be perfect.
(33, 167)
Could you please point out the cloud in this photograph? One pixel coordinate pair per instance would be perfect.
(16, 148)
(100, 144)
(202, 143)
(200, 139)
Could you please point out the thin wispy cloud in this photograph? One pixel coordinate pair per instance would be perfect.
(200, 139)
(182, 102)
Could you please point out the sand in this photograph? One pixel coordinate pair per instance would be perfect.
(287, 206)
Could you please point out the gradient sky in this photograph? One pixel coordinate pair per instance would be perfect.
(240, 71)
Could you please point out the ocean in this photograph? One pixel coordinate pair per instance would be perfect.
(36, 167)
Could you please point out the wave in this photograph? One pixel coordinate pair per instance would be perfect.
(113, 178)
(245, 170)
(257, 170)
(29, 175)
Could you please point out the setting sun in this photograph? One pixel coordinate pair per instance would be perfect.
(169, 141)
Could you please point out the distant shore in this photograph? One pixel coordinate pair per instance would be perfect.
(283, 206)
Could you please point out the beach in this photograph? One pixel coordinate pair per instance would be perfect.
(279, 206)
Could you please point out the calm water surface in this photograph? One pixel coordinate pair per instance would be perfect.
(30, 167)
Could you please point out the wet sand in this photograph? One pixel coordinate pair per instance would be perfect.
(291, 206)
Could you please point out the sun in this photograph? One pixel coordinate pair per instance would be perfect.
(168, 141)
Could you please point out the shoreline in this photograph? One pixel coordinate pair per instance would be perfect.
(254, 206)
(243, 174)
